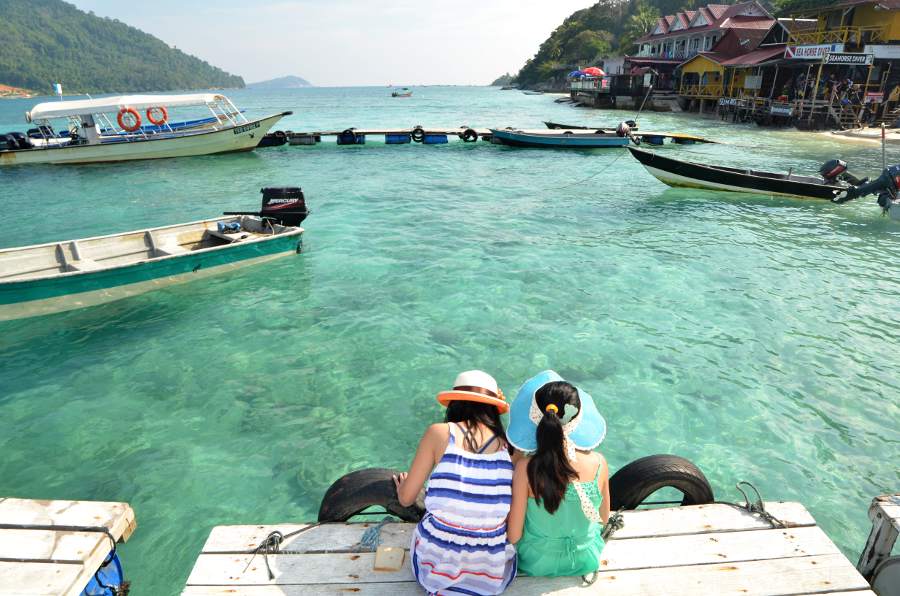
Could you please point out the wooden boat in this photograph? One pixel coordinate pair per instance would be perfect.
(558, 126)
(60, 276)
(676, 172)
(405, 92)
(564, 140)
(95, 137)
(530, 92)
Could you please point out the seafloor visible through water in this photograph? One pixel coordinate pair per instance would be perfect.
(757, 337)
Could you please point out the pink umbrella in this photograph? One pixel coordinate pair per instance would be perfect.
(594, 72)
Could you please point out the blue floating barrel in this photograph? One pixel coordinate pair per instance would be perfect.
(435, 139)
(349, 137)
(107, 581)
(397, 139)
(654, 139)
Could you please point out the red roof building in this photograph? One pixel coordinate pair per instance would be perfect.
(687, 33)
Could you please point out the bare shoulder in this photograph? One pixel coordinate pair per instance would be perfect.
(522, 466)
(437, 433)
(603, 467)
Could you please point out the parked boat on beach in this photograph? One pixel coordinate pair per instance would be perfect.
(60, 276)
(563, 140)
(676, 172)
(530, 92)
(92, 136)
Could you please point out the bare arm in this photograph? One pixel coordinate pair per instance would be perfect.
(410, 484)
(603, 483)
(516, 521)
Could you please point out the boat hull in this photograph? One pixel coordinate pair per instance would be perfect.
(71, 291)
(202, 142)
(694, 175)
(560, 141)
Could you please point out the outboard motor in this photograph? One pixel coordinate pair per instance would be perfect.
(283, 205)
(885, 185)
(835, 170)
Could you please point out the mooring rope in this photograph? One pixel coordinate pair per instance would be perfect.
(271, 545)
(371, 538)
(757, 506)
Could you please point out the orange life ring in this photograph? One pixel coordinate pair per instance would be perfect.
(158, 109)
(134, 115)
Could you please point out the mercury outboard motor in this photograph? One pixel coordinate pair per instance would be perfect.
(835, 170)
(283, 205)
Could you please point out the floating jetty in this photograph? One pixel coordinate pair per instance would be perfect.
(442, 135)
(701, 549)
(57, 547)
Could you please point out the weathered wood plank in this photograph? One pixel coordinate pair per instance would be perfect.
(667, 551)
(32, 579)
(117, 517)
(775, 577)
(48, 546)
(327, 538)
(696, 519)
(647, 523)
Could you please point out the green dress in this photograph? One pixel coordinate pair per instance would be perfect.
(562, 543)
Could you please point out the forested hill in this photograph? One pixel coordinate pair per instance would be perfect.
(609, 28)
(48, 41)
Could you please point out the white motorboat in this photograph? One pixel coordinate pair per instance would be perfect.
(93, 136)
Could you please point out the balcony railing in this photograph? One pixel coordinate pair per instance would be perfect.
(847, 35)
(589, 84)
(702, 91)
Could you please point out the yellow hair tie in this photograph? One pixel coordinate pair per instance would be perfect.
(551, 408)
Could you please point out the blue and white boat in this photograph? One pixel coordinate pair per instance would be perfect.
(570, 139)
(59, 276)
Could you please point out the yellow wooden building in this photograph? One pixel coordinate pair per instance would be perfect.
(854, 23)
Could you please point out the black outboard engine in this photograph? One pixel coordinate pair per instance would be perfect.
(885, 185)
(283, 205)
(835, 170)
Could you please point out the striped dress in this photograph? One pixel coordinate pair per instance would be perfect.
(460, 546)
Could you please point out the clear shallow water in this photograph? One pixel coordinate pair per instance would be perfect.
(755, 336)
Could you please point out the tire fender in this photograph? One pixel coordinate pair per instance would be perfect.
(631, 485)
(418, 134)
(359, 490)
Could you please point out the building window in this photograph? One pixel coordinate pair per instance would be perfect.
(705, 43)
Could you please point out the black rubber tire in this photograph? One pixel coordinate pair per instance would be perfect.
(469, 136)
(418, 134)
(349, 133)
(632, 484)
(280, 134)
(359, 490)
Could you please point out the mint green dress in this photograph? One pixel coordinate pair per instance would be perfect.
(562, 543)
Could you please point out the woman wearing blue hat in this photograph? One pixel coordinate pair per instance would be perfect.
(561, 488)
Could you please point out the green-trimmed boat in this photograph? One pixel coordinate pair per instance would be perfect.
(60, 276)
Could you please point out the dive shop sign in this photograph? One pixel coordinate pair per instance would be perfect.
(813, 52)
(848, 59)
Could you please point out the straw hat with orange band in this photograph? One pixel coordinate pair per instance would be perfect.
(478, 386)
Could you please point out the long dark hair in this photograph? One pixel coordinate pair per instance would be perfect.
(549, 469)
(472, 413)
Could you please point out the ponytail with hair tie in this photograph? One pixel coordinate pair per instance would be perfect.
(550, 468)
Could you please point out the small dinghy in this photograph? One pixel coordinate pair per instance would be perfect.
(60, 276)
(561, 140)
(559, 126)
(676, 172)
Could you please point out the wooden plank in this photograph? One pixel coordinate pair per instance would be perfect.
(796, 575)
(326, 538)
(48, 546)
(646, 523)
(667, 551)
(117, 517)
(697, 519)
(17, 579)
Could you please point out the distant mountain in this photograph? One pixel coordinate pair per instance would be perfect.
(503, 80)
(50, 41)
(289, 82)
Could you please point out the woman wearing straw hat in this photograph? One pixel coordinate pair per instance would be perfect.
(561, 490)
(460, 545)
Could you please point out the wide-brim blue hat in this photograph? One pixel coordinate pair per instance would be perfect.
(522, 432)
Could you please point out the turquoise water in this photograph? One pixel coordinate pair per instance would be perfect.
(758, 337)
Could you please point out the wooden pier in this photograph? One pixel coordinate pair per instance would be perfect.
(55, 547)
(702, 549)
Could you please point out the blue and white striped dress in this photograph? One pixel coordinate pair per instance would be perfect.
(460, 546)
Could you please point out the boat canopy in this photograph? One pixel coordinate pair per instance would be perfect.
(80, 107)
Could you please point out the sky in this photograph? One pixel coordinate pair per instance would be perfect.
(351, 42)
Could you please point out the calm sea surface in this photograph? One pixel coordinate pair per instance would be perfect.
(757, 337)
